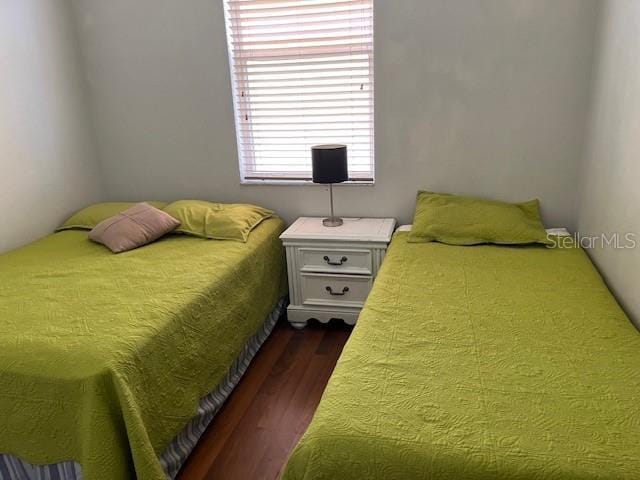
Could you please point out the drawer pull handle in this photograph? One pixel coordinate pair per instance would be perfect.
(331, 292)
(331, 262)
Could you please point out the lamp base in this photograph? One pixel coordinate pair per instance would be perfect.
(332, 222)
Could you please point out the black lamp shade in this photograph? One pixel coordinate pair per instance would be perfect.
(329, 163)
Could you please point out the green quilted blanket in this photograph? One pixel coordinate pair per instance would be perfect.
(484, 362)
(103, 357)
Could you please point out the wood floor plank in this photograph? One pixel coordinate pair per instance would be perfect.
(213, 440)
(283, 383)
(261, 422)
(273, 460)
(306, 398)
(259, 426)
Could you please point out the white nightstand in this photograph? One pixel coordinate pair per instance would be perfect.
(331, 269)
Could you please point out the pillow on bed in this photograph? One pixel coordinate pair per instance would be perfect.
(133, 228)
(218, 221)
(459, 220)
(89, 217)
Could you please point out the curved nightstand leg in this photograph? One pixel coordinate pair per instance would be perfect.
(298, 325)
(297, 319)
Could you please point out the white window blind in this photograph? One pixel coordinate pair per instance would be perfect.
(302, 74)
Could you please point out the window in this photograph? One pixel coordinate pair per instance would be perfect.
(302, 74)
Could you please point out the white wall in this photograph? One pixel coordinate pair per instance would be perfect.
(486, 98)
(46, 154)
(610, 201)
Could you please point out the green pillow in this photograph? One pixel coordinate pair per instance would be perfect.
(89, 217)
(217, 220)
(459, 220)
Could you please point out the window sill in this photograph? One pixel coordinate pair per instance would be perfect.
(297, 183)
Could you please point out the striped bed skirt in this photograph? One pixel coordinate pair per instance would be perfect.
(13, 468)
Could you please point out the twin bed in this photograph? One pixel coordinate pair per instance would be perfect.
(476, 362)
(112, 365)
(483, 362)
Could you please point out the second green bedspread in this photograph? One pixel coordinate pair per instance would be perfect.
(484, 362)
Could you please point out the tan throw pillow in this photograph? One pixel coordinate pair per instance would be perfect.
(133, 228)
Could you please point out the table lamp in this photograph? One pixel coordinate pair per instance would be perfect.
(329, 164)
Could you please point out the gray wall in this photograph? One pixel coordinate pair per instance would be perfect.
(486, 98)
(46, 157)
(610, 200)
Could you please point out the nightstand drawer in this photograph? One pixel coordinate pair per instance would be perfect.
(348, 261)
(345, 290)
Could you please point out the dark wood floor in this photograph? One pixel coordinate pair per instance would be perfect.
(269, 410)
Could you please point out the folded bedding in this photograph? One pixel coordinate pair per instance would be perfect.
(103, 358)
(483, 362)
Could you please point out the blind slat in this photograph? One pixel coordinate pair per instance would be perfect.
(357, 37)
(329, 28)
(299, 130)
(360, 74)
(301, 97)
(310, 126)
(281, 86)
(303, 9)
(302, 74)
(355, 140)
(289, 5)
(263, 59)
(302, 20)
(281, 2)
(284, 65)
(355, 77)
(319, 49)
(291, 69)
(296, 149)
(309, 105)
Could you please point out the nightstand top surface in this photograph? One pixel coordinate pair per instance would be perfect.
(352, 230)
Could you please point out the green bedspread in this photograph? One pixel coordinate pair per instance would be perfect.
(103, 357)
(484, 362)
